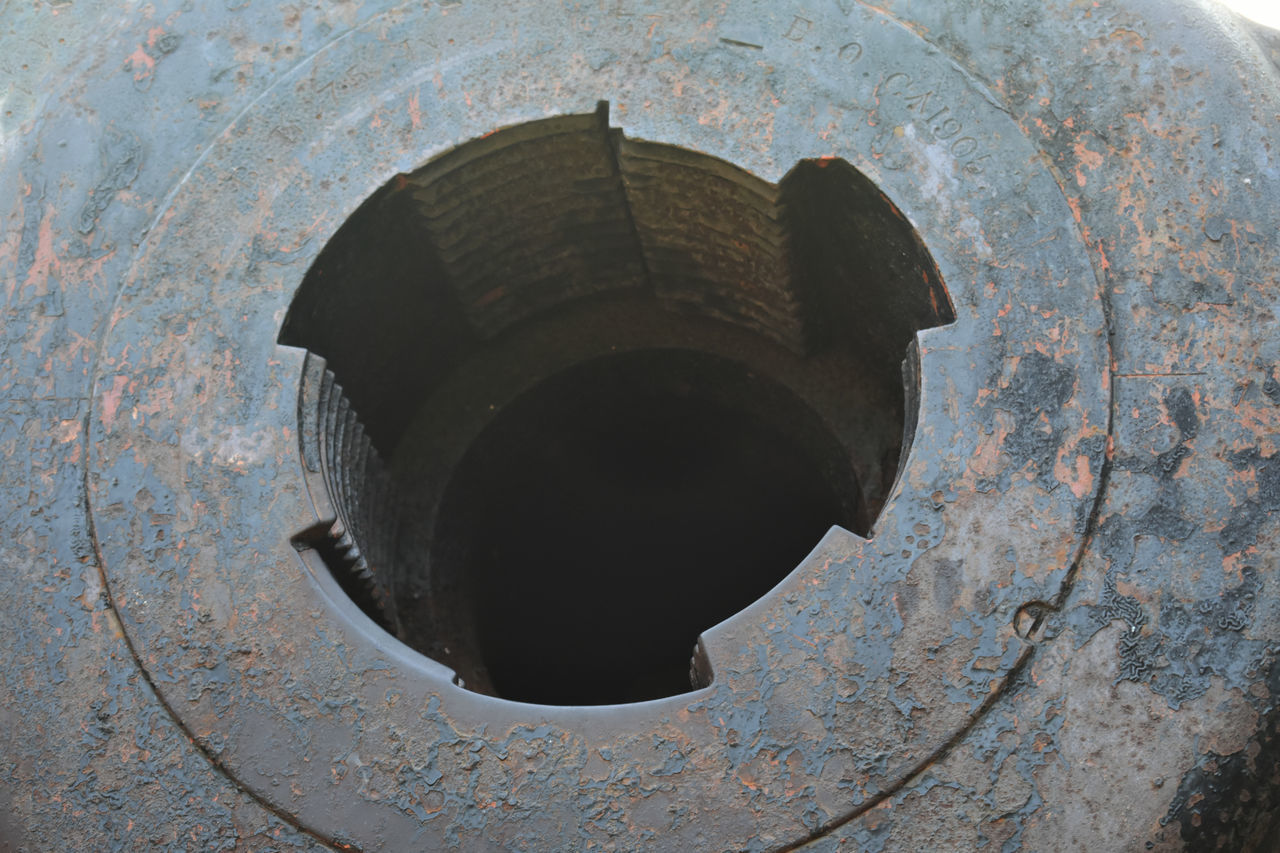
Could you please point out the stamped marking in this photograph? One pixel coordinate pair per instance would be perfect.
(927, 109)
(850, 52)
(937, 119)
(799, 28)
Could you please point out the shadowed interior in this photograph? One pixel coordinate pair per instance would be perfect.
(616, 510)
(622, 388)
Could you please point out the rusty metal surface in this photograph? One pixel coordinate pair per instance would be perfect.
(1061, 635)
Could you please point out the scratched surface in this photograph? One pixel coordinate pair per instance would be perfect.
(1061, 634)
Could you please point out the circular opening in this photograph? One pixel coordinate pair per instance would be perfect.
(610, 392)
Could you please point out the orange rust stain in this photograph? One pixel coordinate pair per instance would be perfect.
(1079, 480)
(1261, 420)
(1088, 159)
(46, 261)
(813, 644)
(140, 63)
(985, 461)
(1103, 263)
(111, 400)
(1074, 204)
(68, 431)
(1235, 564)
(1131, 40)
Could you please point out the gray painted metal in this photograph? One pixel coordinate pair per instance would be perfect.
(1061, 635)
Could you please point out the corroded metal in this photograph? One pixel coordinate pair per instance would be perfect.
(1061, 634)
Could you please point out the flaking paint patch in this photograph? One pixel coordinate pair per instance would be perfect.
(940, 184)
(239, 446)
(90, 599)
(140, 63)
(111, 399)
(1079, 479)
(1086, 159)
(46, 262)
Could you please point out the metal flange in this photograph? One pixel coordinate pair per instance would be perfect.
(1089, 449)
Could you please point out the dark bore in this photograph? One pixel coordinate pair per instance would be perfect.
(620, 390)
(618, 509)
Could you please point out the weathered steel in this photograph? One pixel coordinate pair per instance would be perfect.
(1061, 635)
